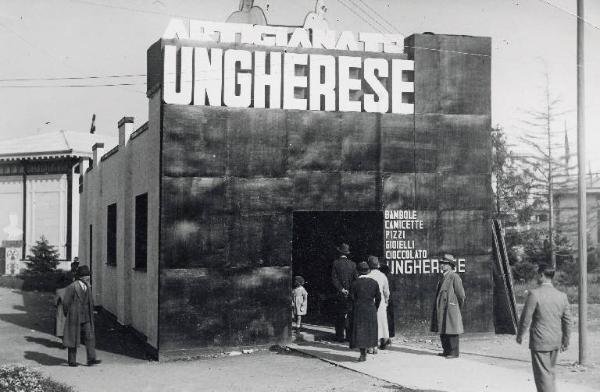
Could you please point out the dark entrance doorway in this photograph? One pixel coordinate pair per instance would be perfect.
(315, 237)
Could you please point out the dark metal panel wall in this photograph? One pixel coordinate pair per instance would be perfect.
(232, 178)
(451, 180)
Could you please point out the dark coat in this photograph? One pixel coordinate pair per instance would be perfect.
(73, 305)
(447, 318)
(366, 297)
(343, 273)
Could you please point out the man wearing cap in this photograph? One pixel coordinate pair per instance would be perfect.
(547, 311)
(343, 273)
(449, 300)
(78, 306)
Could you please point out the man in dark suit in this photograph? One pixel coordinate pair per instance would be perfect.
(449, 300)
(78, 307)
(546, 314)
(343, 273)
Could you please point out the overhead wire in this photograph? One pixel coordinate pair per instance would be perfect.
(371, 22)
(381, 17)
(72, 78)
(360, 16)
(69, 85)
(547, 2)
(365, 12)
(119, 7)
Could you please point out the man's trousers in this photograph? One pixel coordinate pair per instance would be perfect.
(543, 363)
(90, 344)
(450, 345)
(343, 317)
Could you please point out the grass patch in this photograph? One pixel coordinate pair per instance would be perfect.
(18, 378)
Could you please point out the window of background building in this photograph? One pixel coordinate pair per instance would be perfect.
(111, 235)
(141, 231)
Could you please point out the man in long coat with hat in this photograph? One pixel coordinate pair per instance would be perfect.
(78, 306)
(449, 300)
(343, 273)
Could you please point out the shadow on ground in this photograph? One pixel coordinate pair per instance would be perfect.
(38, 314)
(45, 359)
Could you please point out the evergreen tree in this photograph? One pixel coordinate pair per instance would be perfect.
(44, 257)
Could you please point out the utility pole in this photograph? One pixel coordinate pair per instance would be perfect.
(582, 221)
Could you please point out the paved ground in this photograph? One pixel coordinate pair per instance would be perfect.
(490, 363)
(26, 321)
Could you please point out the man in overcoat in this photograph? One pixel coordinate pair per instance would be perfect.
(449, 300)
(547, 311)
(343, 273)
(78, 307)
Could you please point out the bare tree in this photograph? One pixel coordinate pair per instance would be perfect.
(548, 163)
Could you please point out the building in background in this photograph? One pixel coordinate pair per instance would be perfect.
(567, 210)
(39, 196)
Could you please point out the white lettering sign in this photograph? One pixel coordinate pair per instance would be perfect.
(245, 77)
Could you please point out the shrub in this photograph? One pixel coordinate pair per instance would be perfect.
(18, 378)
(44, 257)
(524, 271)
(568, 274)
(44, 281)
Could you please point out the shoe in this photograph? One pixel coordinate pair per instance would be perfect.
(72, 364)
(362, 358)
(451, 356)
(93, 362)
(442, 355)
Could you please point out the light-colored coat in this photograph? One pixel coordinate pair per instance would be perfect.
(73, 301)
(447, 316)
(383, 331)
(59, 321)
(547, 311)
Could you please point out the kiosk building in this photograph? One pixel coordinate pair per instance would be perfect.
(196, 222)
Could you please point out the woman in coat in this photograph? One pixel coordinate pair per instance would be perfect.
(366, 297)
(385, 268)
(383, 333)
(59, 319)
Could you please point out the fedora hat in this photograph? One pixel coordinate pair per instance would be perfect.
(362, 268)
(83, 270)
(447, 258)
(343, 249)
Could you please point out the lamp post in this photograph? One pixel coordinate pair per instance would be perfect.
(582, 224)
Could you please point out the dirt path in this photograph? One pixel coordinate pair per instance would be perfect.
(26, 321)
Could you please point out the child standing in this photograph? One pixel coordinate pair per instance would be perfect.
(299, 300)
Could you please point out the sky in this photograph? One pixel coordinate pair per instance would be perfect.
(46, 39)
